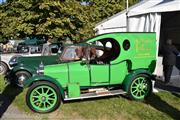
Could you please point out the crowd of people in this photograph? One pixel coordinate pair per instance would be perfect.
(5, 48)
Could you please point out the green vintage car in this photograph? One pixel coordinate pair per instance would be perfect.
(24, 67)
(108, 64)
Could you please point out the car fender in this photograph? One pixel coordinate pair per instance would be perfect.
(133, 74)
(38, 78)
(24, 68)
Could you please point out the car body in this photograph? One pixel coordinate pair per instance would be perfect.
(24, 67)
(27, 51)
(108, 64)
(30, 41)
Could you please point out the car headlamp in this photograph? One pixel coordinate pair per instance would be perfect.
(40, 70)
(13, 61)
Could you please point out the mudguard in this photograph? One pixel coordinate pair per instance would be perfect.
(38, 78)
(133, 74)
(24, 68)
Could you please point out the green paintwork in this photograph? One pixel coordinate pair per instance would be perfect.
(34, 61)
(100, 74)
(122, 72)
(43, 98)
(31, 63)
(139, 59)
(28, 68)
(73, 90)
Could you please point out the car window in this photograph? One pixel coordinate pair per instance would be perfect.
(70, 53)
(35, 49)
(23, 49)
(107, 50)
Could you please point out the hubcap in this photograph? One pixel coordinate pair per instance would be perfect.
(21, 79)
(140, 87)
(43, 98)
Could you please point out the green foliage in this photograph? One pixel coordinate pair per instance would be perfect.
(58, 19)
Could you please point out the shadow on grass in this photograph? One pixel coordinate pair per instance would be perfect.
(169, 88)
(176, 94)
(156, 102)
(7, 97)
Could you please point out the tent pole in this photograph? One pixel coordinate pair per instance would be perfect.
(127, 9)
(127, 5)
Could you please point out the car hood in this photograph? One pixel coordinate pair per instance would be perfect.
(57, 71)
(36, 60)
(55, 68)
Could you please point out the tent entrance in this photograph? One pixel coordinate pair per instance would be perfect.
(170, 28)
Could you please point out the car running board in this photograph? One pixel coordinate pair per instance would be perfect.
(97, 94)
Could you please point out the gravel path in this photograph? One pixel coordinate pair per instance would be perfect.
(12, 113)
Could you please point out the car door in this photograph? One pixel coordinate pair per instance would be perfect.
(79, 73)
(99, 73)
(112, 70)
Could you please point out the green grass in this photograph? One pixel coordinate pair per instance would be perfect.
(160, 106)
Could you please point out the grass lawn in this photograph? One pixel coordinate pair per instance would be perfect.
(160, 106)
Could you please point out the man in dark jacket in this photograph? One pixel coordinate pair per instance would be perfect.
(169, 59)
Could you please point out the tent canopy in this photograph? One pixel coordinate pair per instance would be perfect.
(118, 22)
(152, 6)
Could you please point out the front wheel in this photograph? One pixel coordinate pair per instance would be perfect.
(43, 97)
(21, 76)
(140, 87)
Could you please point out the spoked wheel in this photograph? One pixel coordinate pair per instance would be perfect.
(21, 76)
(140, 87)
(43, 97)
(3, 68)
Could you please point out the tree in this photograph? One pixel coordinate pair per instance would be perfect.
(74, 19)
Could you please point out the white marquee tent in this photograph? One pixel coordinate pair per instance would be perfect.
(142, 17)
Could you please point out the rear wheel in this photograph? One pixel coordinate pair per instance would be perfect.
(21, 76)
(43, 97)
(3, 68)
(140, 87)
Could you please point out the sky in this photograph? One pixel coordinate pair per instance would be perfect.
(2, 1)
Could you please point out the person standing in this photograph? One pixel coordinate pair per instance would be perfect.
(169, 59)
(46, 49)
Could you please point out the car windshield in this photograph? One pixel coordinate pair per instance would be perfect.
(70, 53)
(74, 53)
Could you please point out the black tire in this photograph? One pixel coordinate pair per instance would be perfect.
(21, 76)
(40, 84)
(144, 88)
(4, 68)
